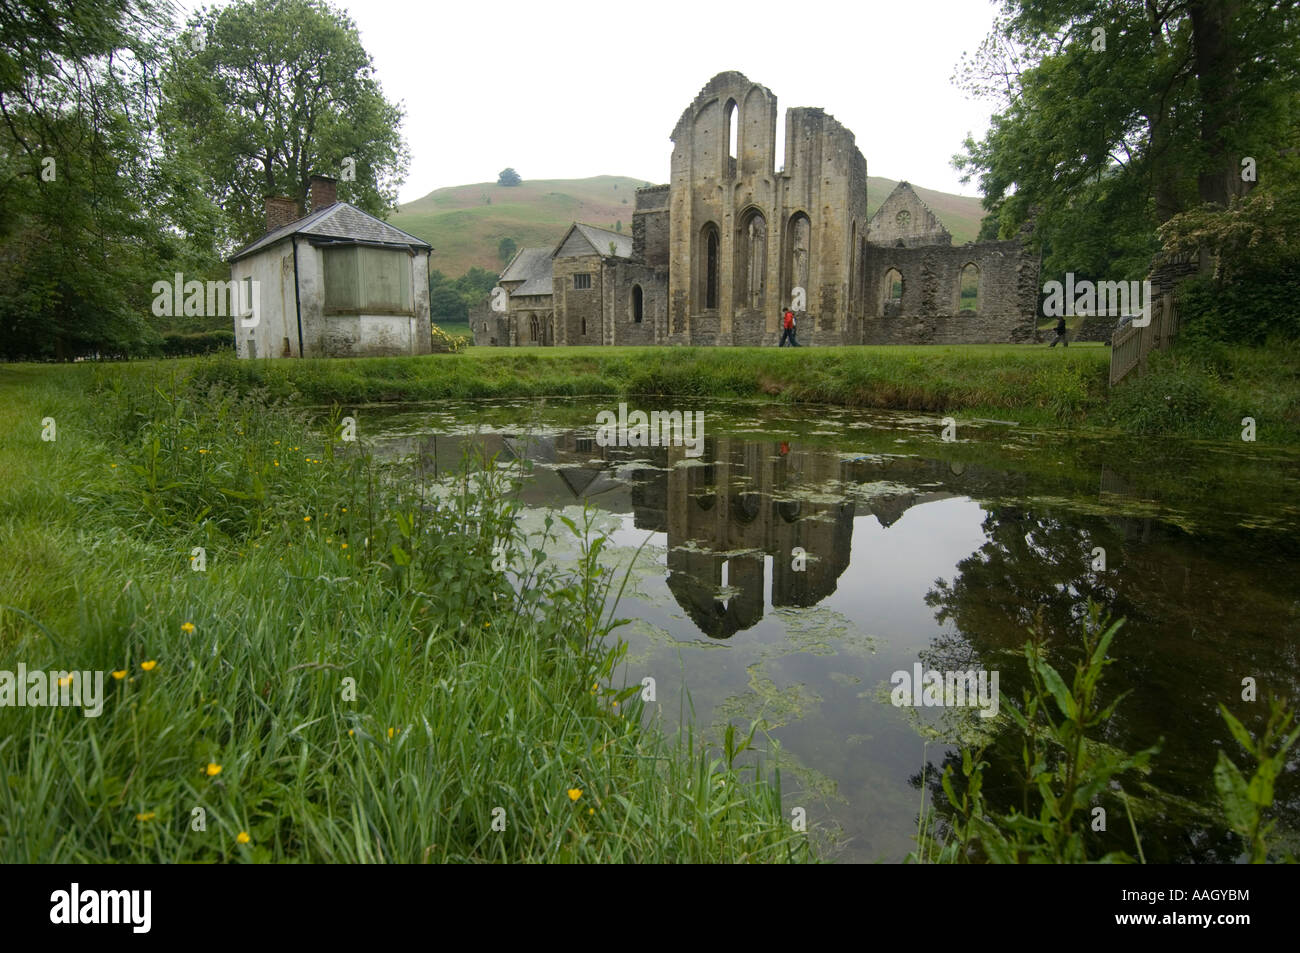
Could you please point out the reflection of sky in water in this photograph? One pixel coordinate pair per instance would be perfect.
(716, 610)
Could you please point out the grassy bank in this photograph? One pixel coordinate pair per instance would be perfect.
(351, 676)
(1202, 393)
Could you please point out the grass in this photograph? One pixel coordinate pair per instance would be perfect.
(351, 678)
(1031, 385)
(1192, 392)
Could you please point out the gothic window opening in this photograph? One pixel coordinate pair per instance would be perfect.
(709, 278)
(733, 128)
(799, 265)
(751, 261)
(638, 304)
(891, 304)
(968, 289)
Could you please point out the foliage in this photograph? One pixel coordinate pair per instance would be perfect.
(1244, 802)
(78, 168)
(477, 694)
(1249, 297)
(175, 344)
(444, 343)
(506, 249)
(282, 89)
(1099, 146)
(451, 299)
(508, 177)
(1064, 770)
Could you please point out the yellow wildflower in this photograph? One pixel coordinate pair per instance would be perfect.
(243, 837)
(345, 545)
(187, 628)
(146, 816)
(306, 519)
(120, 674)
(213, 769)
(575, 793)
(149, 665)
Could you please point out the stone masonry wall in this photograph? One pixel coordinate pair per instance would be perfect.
(650, 226)
(1008, 294)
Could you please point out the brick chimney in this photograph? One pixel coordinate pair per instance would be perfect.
(324, 192)
(280, 210)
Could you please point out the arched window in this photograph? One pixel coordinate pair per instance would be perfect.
(751, 261)
(968, 288)
(732, 127)
(637, 304)
(891, 294)
(709, 243)
(532, 328)
(798, 264)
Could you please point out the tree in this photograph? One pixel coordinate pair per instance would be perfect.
(506, 249)
(79, 164)
(282, 89)
(508, 177)
(1116, 115)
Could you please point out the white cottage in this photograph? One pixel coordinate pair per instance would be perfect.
(336, 283)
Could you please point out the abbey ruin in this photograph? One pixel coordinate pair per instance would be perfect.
(716, 254)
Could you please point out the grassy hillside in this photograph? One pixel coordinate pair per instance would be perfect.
(465, 223)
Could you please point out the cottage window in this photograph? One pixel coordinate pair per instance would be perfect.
(371, 280)
(581, 281)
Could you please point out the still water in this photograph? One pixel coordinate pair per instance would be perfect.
(807, 554)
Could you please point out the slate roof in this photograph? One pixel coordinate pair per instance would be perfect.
(599, 238)
(340, 222)
(532, 266)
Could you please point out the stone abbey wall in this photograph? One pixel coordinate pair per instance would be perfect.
(929, 310)
(732, 239)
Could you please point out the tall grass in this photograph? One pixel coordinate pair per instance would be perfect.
(372, 667)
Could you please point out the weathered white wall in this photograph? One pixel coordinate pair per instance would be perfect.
(272, 268)
(324, 335)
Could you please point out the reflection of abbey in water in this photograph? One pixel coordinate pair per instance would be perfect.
(731, 514)
(733, 518)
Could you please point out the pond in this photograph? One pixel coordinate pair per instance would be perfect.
(802, 556)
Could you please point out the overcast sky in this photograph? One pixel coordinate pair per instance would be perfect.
(577, 88)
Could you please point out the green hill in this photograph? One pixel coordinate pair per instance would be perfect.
(465, 223)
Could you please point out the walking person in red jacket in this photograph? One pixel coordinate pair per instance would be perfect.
(787, 329)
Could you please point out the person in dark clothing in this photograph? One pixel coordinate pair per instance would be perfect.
(1060, 333)
(787, 329)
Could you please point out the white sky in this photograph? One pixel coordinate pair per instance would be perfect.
(580, 88)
